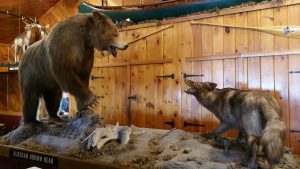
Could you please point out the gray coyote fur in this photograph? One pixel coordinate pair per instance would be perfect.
(255, 114)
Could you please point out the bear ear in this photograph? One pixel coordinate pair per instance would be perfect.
(99, 18)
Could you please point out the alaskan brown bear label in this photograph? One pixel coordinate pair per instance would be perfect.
(34, 157)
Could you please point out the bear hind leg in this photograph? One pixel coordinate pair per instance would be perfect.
(52, 102)
(30, 106)
(78, 87)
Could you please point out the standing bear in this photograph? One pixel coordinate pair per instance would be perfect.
(63, 62)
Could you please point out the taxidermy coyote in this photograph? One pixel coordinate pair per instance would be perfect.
(254, 114)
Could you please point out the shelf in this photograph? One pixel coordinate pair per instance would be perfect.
(12, 113)
(9, 69)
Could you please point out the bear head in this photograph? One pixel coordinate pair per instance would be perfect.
(104, 34)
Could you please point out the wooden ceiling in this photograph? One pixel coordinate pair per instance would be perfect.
(9, 25)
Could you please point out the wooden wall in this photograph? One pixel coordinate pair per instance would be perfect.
(222, 57)
(4, 53)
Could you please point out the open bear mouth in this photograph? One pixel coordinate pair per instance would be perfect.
(113, 50)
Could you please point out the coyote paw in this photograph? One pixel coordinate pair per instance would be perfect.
(208, 135)
(246, 163)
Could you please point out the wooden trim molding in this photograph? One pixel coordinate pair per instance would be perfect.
(271, 53)
(133, 63)
(243, 55)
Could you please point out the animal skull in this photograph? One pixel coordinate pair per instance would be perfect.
(100, 136)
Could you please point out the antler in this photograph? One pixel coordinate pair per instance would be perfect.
(24, 19)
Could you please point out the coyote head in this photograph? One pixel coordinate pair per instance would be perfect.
(196, 87)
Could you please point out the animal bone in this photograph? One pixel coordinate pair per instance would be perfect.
(124, 135)
(100, 136)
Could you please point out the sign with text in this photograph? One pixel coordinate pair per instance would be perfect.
(34, 157)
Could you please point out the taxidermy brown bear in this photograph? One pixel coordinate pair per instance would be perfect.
(63, 62)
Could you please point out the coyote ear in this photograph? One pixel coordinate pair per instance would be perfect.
(212, 86)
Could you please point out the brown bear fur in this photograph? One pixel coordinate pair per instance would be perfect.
(63, 62)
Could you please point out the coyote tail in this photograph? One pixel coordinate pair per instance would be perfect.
(272, 140)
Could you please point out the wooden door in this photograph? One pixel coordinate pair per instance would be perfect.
(110, 84)
(151, 96)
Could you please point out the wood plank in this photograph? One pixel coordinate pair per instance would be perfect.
(149, 34)
(134, 92)
(126, 114)
(281, 71)
(217, 65)
(254, 46)
(119, 99)
(141, 96)
(72, 105)
(150, 95)
(186, 51)
(197, 40)
(167, 82)
(187, 100)
(154, 45)
(97, 87)
(218, 78)
(267, 44)
(230, 64)
(229, 35)
(167, 96)
(206, 115)
(241, 43)
(104, 113)
(218, 36)
(230, 82)
(154, 53)
(176, 54)
(111, 95)
(159, 95)
(196, 106)
(142, 54)
(138, 49)
(167, 42)
(294, 90)
(120, 87)
(207, 40)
